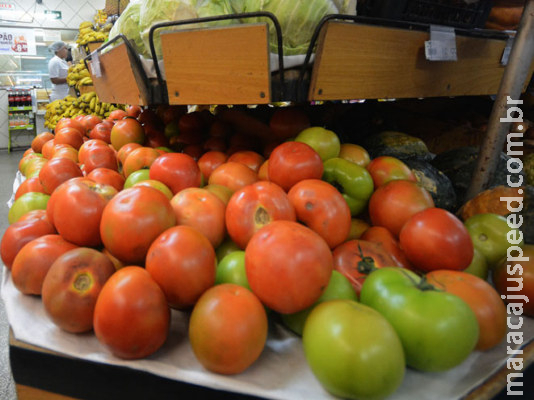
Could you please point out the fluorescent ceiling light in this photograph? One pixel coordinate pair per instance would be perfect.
(34, 57)
(40, 44)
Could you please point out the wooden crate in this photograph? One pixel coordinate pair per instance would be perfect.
(356, 61)
(86, 89)
(120, 81)
(228, 65)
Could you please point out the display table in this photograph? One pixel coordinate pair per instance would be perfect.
(281, 371)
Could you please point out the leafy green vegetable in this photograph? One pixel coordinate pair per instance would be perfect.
(128, 25)
(298, 19)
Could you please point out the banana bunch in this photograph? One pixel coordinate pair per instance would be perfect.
(70, 107)
(78, 75)
(88, 34)
(100, 17)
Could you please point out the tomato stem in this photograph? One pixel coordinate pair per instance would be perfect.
(367, 264)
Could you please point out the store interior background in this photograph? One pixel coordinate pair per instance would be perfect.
(33, 70)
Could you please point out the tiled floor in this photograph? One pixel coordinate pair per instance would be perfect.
(8, 168)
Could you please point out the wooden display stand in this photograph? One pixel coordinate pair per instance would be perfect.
(227, 65)
(120, 82)
(357, 61)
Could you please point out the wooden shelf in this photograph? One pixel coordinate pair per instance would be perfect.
(228, 65)
(357, 61)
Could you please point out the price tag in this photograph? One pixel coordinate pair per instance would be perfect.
(442, 44)
(95, 64)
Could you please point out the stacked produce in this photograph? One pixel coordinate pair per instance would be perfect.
(79, 75)
(87, 103)
(297, 19)
(89, 33)
(224, 216)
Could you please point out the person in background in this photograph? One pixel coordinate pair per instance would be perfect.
(58, 69)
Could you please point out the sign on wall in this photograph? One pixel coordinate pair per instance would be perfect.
(19, 42)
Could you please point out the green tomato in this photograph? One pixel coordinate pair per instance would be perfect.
(226, 247)
(352, 180)
(339, 287)
(25, 203)
(136, 177)
(489, 235)
(353, 351)
(231, 269)
(323, 141)
(478, 266)
(438, 330)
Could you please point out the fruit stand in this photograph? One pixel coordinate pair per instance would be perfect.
(356, 59)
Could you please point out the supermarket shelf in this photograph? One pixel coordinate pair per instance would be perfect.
(361, 61)
(24, 108)
(21, 128)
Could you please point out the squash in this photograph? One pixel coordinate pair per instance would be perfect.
(458, 164)
(435, 182)
(488, 201)
(397, 144)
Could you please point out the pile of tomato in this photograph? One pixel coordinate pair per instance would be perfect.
(237, 222)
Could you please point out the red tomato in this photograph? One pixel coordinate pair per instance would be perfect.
(288, 266)
(191, 124)
(176, 170)
(292, 162)
(379, 234)
(117, 115)
(132, 220)
(33, 225)
(515, 280)
(481, 297)
(219, 129)
(436, 239)
(131, 317)
(193, 150)
(34, 260)
(209, 161)
(47, 150)
(214, 144)
(386, 168)
(393, 203)
(155, 137)
(56, 171)
(24, 161)
(70, 123)
(106, 176)
(125, 131)
(39, 140)
(139, 158)
(133, 111)
(148, 115)
(228, 329)
(202, 210)
(322, 208)
(77, 209)
(29, 150)
(100, 157)
(254, 206)
(72, 285)
(101, 131)
(66, 152)
(288, 122)
(89, 122)
(126, 150)
(354, 153)
(69, 136)
(29, 185)
(233, 175)
(250, 158)
(84, 148)
(263, 172)
(182, 261)
(356, 259)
